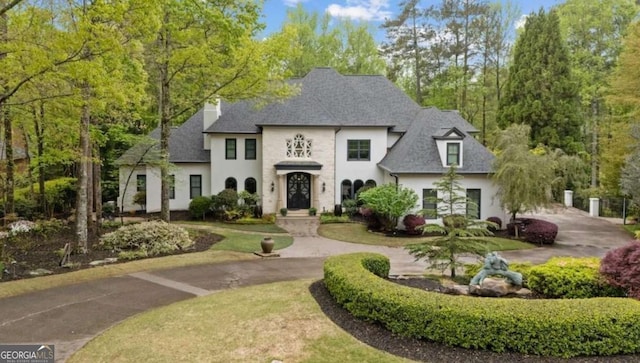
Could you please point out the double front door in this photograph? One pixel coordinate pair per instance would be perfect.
(298, 191)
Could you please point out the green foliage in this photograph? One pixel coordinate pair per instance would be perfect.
(540, 91)
(227, 199)
(523, 178)
(283, 212)
(313, 211)
(390, 201)
(59, 194)
(147, 239)
(563, 328)
(472, 269)
(330, 218)
(570, 278)
(199, 207)
(350, 207)
(459, 233)
(140, 198)
(249, 199)
(630, 174)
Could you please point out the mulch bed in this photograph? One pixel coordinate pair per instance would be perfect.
(38, 252)
(380, 338)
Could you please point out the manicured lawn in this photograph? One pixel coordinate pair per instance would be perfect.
(357, 233)
(263, 323)
(259, 228)
(244, 242)
(632, 228)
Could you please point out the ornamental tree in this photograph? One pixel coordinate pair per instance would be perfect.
(389, 201)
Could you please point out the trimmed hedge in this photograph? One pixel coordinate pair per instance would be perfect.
(571, 278)
(564, 328)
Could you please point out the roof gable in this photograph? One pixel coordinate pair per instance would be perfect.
(450, 134)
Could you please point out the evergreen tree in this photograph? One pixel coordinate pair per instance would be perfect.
(460, 232)
(540, 91)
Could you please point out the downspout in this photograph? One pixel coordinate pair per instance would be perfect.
(395, 176)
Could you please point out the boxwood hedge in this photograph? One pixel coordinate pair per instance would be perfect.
(564, 328)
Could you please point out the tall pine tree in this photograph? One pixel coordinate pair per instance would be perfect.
(540, 91)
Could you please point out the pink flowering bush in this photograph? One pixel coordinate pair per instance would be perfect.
(411, 222)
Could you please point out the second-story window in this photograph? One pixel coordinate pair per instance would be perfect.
(230, 149)
(358, 150)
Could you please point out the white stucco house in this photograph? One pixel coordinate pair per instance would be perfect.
(318, 148)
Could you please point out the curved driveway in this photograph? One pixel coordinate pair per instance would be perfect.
(69, 316)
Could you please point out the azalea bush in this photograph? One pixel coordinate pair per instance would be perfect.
(147, 239)
(621, 268)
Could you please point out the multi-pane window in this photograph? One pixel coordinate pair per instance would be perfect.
(231, 183)
(453, 153)
(141, 183)
(347, 190)
(299, 147)
(429, 203)
(473, 203)
(250, 185)
(172, 187)
(230, 149)
(195, 186)
(358, 149)
(250, 149)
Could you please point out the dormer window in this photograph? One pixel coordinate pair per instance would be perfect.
(453, 153)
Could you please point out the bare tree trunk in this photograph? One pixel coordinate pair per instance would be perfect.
(416, 54)
(39, 129)
(594, 143)
(97, 191)
(9, 206)
(81, 201)
(165, 122)
(28, 157)
(89, 166)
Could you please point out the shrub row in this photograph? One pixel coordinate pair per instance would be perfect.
(565, 328)
(534, 230)
(571, 278)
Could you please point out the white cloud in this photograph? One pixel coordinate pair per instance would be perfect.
(520, 22)
(361, 10)
(292, 3)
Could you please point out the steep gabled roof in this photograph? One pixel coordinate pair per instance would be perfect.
(417, 152)
(186, 144)
(325, 98)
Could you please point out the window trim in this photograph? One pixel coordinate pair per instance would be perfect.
(479, 202)
(255, 184)
(456, 154)
(193, 177)
(433, 206)
(359, 149)
(231, 179)
(227, 149)
(247, 149)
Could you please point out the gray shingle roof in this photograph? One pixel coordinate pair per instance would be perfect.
(325, 98)
(186, 144)
(416, 151)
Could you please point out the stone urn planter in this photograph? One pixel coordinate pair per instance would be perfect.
(267, 244)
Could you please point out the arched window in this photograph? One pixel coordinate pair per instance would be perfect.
(347, 191)
(250, 185)
(357, 185)
(370, 183)
(231, 183)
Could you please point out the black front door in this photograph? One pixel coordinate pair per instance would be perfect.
(298, 191)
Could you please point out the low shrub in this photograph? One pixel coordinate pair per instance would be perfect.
(564, 328)
(329, 218)
(411, 221)
(373, 220)
(199, 207)
(350, 207)
(498, 223)
(337, 210)
(540, 232)
(269, 218)
(148, 238)
(227, 199)
(570, 278)
(621, 268)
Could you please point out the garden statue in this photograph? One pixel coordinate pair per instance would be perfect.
(494, 264)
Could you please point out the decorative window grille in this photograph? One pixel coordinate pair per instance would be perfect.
(299, 147)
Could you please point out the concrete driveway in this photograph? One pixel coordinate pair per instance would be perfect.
(69, 316)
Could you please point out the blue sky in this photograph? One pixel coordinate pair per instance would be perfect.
(373, 11)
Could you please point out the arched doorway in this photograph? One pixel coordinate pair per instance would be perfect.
(298, 191)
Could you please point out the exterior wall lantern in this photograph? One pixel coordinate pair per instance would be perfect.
(273, 186)
(324, 186)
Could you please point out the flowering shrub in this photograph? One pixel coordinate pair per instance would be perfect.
(411, 221)
(539, 231)
(495, 220)
(21, 227)
(621, 267)
(374, 222)
(148, 238)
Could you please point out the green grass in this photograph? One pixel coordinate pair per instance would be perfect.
(632, 228)
(357, 233)
(244, 242)
(258, 228)
(263, 323)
